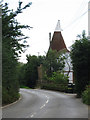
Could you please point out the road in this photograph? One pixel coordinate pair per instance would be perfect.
(46, 104)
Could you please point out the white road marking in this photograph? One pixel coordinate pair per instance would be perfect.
(32, 115)
(47, 101)
(42, 106)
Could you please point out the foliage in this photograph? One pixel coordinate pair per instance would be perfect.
(80, 55)
(28, 73)
(86, 95)
(41, 60)
(12, 34)
(25, 87)
(53, 77)
(56, 87)
(31, 74)
(53, 62)
(58, 81)
(21, 67)
(59, 78)
(12, 45)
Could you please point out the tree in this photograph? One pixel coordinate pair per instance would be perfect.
(21, 67)
(31, 75)
(80, 55)
(28, 73)
(53, 62)
(59, 78)
(12, 46)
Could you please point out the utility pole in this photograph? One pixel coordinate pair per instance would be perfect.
(89, 20)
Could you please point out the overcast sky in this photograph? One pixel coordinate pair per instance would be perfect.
(43, 16)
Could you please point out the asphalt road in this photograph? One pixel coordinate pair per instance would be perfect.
(46, 104)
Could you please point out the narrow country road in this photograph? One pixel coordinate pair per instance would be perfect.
(46, 104)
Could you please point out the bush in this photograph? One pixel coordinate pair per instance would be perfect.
(22, 86)
(86, 96)
(56, 87)
(58, 81)
(9, 97)
(81, 65)
(59, 78)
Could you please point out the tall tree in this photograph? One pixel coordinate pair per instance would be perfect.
(31, 75)
(21, 67)
(80, 54)
(11, 49)
(28, 73)
(53, 62)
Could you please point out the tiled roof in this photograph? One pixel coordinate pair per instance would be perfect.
(57, 42)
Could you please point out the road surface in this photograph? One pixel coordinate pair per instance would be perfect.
(46, 104)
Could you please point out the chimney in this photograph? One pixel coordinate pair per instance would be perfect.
(50, 37)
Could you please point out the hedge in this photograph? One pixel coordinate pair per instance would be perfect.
(86, 96)
(56, 87)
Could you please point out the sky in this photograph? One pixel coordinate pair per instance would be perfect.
(43, 16)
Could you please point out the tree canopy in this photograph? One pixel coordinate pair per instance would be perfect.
(53, 62)
(80, 54)
(12, 46)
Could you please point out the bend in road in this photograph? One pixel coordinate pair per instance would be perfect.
(46, 104)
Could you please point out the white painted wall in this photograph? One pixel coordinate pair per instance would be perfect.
(70, 76)
(67, 65)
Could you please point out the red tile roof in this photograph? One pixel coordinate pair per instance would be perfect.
(57, 42)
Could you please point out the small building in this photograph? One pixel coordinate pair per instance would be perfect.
(57, 43)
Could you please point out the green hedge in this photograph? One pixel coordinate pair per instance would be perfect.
(86, 96)
(56, 87)
(9, 97)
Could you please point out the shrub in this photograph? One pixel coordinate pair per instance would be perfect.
(56, 87)
(25, 87)
(58, 81)
(81, 65)
(9, 97)
(86, 96)
(59, 78)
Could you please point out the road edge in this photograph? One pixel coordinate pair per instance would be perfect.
(13, 102)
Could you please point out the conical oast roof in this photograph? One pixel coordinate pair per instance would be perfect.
(57, 42)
